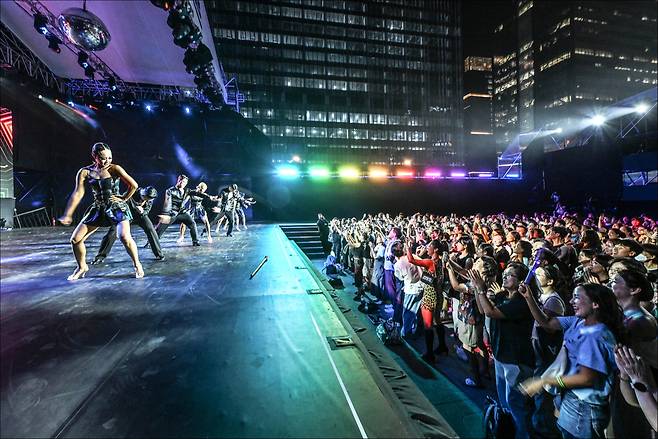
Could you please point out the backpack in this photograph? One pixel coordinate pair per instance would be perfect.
(498, 421)
(389, 332)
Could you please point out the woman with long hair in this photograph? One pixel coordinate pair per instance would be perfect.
(109, 207)
(589, 339)
(432, 301)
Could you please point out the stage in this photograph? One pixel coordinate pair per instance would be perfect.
(195, 349)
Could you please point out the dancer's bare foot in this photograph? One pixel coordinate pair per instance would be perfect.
(79, 273)
(209, 239)
(180, 240)
(139, 271)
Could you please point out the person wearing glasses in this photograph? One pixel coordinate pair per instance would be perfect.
(510, 337)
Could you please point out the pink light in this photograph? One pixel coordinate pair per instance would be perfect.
(432, 173)
(458, 174)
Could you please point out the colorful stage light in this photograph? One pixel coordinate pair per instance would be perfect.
(317, 172)
(432, 173)
(378, 173)
(457, 174)
(405, 173)
(288, 172)
(349, 172)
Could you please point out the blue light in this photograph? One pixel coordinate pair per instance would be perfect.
(288, 172)
(188, 110)
(109, 106)
(148, 107)
(71, 103)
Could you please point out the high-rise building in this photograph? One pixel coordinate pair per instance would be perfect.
(557, 62)
(479, 147)
(341, 81)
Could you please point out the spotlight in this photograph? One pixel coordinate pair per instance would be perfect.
(148, 107)
(187, 110)
(597, 120)
(296, 159)
(109, 106)
(53, 43)
(112, 83)
(558, 130)
(40, 23)
(641, 108)
(89, 72)
(71, 103)
(83, 60)
(40, 97)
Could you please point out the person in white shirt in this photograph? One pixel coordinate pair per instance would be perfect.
(409, 275)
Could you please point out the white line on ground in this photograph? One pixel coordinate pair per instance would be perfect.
(340, 380)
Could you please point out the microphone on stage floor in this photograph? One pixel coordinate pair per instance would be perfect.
(265, 259)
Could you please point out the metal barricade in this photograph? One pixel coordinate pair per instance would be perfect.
(32, 218)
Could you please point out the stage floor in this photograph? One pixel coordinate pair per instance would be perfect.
(195, 349)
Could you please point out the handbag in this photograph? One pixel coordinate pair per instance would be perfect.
(557, 368)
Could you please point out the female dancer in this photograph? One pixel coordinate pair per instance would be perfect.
(109, 207)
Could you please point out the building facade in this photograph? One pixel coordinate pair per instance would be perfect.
(479, 147)
(559, 62)
(341, 81)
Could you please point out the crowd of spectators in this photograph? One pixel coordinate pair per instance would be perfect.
(589, 304)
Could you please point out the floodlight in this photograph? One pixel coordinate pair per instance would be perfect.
(597, 120)
(641, 108)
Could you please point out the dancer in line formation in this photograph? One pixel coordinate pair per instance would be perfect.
(117, 211)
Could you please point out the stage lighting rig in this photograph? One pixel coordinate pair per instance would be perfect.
(184, 31)
(41, 23)
(163, 4)
(53, 43)
(83, 60)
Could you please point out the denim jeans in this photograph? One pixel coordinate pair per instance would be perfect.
(411, 306)
(395, 294)
(508, 377)
(544, 422)
(579, 419)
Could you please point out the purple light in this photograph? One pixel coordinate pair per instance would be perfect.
(458, 174)
(432, 173)
(484, 174)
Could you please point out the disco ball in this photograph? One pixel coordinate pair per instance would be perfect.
(84, 29)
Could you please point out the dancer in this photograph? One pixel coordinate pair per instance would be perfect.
(140, 205)
(243, 203)
(109, 207)
(228, 206)
(173, 211)
(200, 203)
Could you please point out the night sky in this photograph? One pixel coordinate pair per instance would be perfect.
(479, 18)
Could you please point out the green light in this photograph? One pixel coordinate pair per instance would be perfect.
(349, 172)
(317, 172)
(288, 172)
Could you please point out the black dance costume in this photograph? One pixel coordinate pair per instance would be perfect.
(103, 212)
(140, 219)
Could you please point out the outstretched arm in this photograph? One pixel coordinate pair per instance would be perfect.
(75, 197)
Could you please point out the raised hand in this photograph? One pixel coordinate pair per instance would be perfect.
(524, 290)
